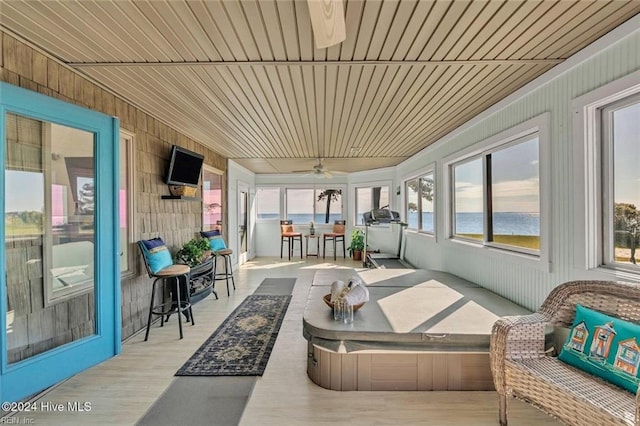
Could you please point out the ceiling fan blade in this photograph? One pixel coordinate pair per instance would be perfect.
(327, 21)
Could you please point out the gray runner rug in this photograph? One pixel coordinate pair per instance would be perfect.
(209, 400)
(241, 346)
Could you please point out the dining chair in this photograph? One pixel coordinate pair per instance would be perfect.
(288, 234)
(336, 236)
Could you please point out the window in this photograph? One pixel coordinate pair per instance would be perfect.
(299, 204)
(125, 179)
(468, 200)
(621, 199)
(515, 195)
(211, 198)
(268, 203)
(369, 198)
(328, 206)
(496, 195)
(427, 196)
(321, 205)
(604, 176)
(419, 203)
(51, 224)
(412, 213)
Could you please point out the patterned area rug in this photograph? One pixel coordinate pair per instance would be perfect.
(242, 344)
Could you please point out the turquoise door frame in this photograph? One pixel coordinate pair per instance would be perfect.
(21, 379)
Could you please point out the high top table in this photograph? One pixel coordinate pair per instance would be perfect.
(420, 330)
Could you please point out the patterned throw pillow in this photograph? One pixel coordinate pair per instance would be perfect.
(156, 254)
(215, 240)
(604, 346)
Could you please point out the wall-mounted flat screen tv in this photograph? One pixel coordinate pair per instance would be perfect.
(184, 167)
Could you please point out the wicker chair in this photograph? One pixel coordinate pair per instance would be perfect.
(523, 369)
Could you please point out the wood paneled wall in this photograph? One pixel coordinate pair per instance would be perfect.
(176, 221)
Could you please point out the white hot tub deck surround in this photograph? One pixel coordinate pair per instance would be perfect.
(420, 330)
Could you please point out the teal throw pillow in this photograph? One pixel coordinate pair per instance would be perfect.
(156, 254)
(215, 240)
(604, 346)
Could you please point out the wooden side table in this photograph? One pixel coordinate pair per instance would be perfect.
(307, 237)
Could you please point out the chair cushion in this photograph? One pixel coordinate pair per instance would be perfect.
(292, 234)
(604, 346)
(173, 270)
(156, 254)
(215, 240)
(284, 229)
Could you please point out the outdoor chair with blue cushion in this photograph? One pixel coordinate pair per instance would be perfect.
(159, 264)
(219, 248)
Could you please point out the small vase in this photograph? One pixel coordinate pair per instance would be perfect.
(312, 231)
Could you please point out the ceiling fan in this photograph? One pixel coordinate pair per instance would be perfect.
(319, 170)
(327, 21)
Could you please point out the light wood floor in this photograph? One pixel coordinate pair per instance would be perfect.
(122, 389)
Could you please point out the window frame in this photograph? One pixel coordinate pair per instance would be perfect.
(588, 177)
(368, 185)
(53, 296)
(539, 125)
(314, 187)
(452, 214)
(418, 177)
(608, 178)
(128, 138)
(280, 204)
(406, 203)
(212, 170)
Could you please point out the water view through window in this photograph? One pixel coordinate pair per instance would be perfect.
(419, 208)
(511, 174)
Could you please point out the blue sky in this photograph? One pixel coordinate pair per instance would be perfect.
(24, 191)
(515, 180)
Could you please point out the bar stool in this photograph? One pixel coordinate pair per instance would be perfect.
(336, 235)
(289, 235)
(219, 248)
(159, 264)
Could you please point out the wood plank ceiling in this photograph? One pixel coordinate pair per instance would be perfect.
(244, 77)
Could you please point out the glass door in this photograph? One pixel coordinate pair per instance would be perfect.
(60, 303)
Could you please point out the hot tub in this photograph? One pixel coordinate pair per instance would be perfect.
(420, 330)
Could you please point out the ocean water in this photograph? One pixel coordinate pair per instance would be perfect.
(303, 219)
(466, 223)
(472, 223)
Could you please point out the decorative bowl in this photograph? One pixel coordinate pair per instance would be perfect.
(327, 300)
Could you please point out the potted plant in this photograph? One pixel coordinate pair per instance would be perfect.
(193, 252)
(357, 244)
